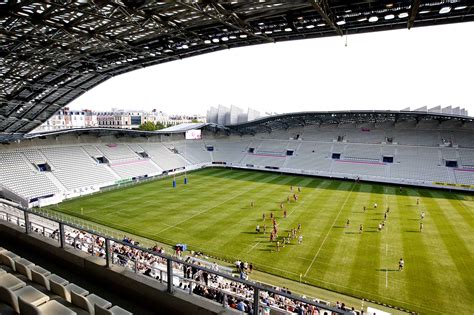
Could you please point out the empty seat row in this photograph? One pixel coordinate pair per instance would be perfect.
(135, 169)
(75, 169)
(23, 298)
(117, 152)
(163, 157)
(192, 151)
(26, 299)
(21, 178)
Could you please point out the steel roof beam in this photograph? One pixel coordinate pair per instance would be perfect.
(415, 6)
(247, 30)
(53, 51)
(323, 9)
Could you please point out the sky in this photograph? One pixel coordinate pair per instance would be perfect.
(376, 71)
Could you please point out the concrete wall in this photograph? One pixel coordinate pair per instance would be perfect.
(6, 194)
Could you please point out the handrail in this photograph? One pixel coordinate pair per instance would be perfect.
(257, 287)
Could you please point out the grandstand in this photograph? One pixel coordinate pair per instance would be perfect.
(402, 148)
(391, 153)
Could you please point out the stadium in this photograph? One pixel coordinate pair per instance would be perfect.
(340, 212)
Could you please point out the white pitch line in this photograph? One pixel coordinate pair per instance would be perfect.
(329, 231)
(208, 209)
(294, 209)
(253, 247)
(379, 295)
(171, 226)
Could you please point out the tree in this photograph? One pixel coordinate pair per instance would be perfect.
(159, 126)
(195, 121)
(147, 126)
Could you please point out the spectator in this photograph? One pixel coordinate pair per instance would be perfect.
(241, 306)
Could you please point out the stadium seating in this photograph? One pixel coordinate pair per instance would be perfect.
(10, 294)
(231, 152)
(135, 147)
(275, 134)
(463, 138)
(23, 266)
(21, 177)
(34, 156)
(418, 137)
(29, 289)
(449, 154)
(135, 168)
(467, 157)
(7, 259)
(75, 169)
(114, 152)
(365, 135)
(193, 151)
(114, 310)
(50, 307)
(272, 147)
(312, 156)
(92, 151)
(465, 177)
(422, 164)
(124, 159)
(88, 302)
(263, 160)
(363, 152)
(323, 134)
(419, 154)
(348, 168)
(164, 157)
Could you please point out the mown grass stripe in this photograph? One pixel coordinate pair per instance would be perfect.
(345, 240)
(363, 273)
(418, 270)
(429, 284)
(233, 215)
(299, 215)
(458, 206)
(460, 254)
(328, 231)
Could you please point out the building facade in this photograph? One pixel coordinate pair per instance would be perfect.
(120, 119)
(67, 119)
(116, 118)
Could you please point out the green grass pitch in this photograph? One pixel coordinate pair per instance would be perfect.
(212, 214)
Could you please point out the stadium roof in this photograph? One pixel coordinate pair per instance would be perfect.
(285, 121)
(51, 52)
(183, 127)
(266, 124)
(97, 132)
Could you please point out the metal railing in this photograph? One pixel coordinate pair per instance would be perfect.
(173, 271)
